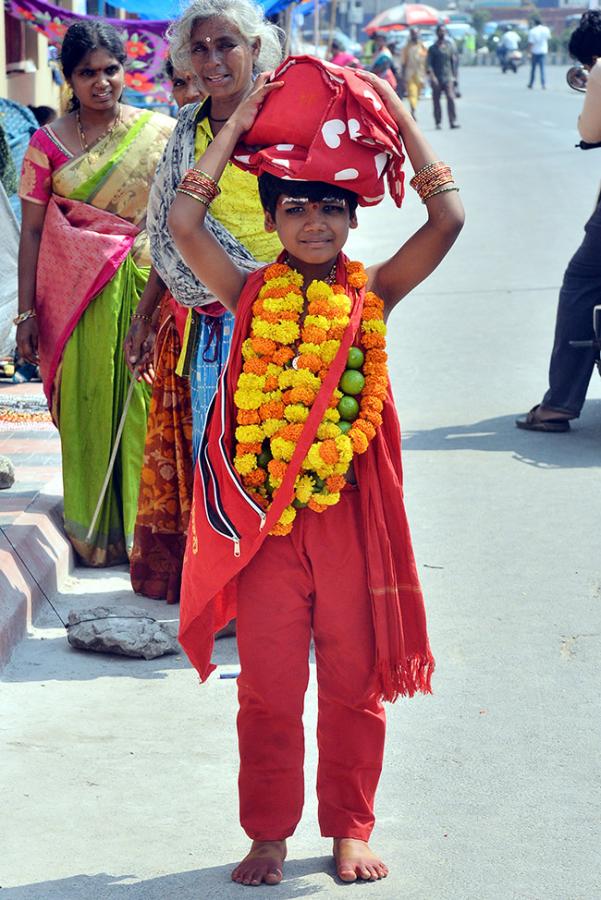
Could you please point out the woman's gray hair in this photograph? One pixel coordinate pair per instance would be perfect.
(245, 15)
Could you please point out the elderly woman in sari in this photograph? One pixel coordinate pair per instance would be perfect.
(225, 43)
(83, 264)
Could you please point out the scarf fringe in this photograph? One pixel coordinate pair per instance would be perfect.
(415, 676)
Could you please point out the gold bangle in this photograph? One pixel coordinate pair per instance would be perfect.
(424, 170)
(22, 317)
(197, 197)
(206, 175)
(442, 190)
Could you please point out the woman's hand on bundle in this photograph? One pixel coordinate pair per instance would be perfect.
(246, 113)
(27, 340)
(138, 347)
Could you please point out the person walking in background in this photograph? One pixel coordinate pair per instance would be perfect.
(83, 263)
(571, 368)
(442, 68)
(341, 57)
(413, 68)
(538, 44)
(383, 63)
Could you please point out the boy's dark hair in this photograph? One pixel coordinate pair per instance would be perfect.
(270, 188)
(85, 37)
(43, 114)
(585, 42)
(536, 20)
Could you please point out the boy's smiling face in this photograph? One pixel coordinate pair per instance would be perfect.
(312, 232)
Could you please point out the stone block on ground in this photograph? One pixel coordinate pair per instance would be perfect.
(124, 630)
(7, 473)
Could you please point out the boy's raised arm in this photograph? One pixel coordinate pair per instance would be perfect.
(424, 250)
(201, 252)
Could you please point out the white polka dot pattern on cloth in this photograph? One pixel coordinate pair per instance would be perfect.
(324, 124)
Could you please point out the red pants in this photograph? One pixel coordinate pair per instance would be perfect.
(312, 581)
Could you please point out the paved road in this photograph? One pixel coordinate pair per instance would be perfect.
(119, 776)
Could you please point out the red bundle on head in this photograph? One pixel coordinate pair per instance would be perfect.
(325, 124)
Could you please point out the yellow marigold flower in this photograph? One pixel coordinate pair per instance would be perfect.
(331, 415)
(306, 347)
(245, 399)
(304, 488)
(288, 516)
(327, 430)
(328, 351)
(291, 378)
(251, 382)
(319, 290)
(290, 303)
(376, 325)
(319, 321)
(282, 449)
(245, 464)
(296, 412)
(247, 350)
(345, 448)
(249, 434)
(271, 426)
(326, 499)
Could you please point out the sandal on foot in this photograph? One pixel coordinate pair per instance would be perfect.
(532, 422)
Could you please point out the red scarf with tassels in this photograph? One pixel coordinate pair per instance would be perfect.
(227, 528)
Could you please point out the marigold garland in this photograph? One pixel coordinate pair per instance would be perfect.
(286, 360)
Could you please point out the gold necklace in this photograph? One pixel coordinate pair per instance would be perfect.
(82, 135)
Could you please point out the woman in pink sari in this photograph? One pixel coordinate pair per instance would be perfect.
(83, 264)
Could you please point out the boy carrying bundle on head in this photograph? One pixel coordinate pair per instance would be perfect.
(298, 525)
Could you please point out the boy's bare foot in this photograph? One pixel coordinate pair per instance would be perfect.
(263, 863)
(355, 860)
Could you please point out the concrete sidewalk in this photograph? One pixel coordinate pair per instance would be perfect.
(34, 554)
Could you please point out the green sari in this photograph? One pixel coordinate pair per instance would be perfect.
(87, 380)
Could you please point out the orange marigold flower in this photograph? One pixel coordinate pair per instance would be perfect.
(334, 401)
(255, 478)
(263, 346)
(272, 318)
(376, 385)
(329, 452)
(371, 416)
(248, 417)
(291, 432)
(281, 530)
(372, 299)
(258, 308)
(301, 395)
(367, 313)
(336, 333)
(314, 335)
(277, 293)
(287, 315)
(271, 383)
(357, 279)
(373, 339)
(275, 270)
(371, 368)
(277, 468)
(242, 448)
(358, 439)
(310, 361)
(317, 507)
(376, 356)
(366, 427)
(372, 403)
(283, 355)
(256, 365)
(335, 483)
(273, 409)
(337, 289)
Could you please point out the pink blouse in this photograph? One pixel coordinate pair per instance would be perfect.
(44, 155)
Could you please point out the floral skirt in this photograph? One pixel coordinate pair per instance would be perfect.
(167, 474)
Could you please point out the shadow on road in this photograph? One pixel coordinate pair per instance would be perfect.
(192, 885)
(580, 448)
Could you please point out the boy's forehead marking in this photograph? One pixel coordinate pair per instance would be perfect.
(296, 200)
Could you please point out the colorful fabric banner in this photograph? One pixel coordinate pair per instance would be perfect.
(144, 41)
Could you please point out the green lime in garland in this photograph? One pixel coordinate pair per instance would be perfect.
(351, 384)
